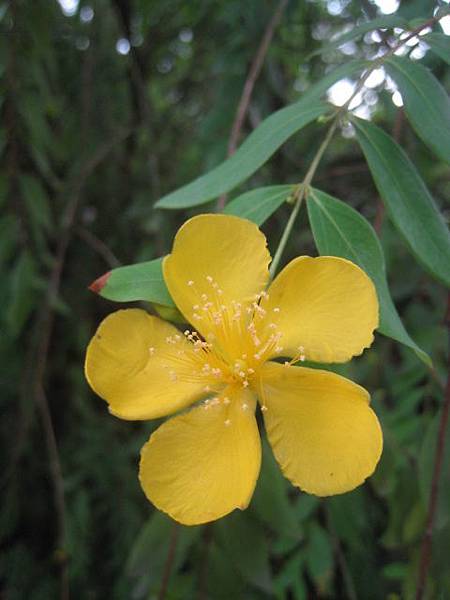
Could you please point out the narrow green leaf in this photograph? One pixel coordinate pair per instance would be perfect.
(37, 201)
(319, 556)
(254, 152)
(407, 199)
(258, 205)
(426, 103)
(148, 555)
(439, 44)
(384, 22)
(271, 501)
(260, 144)
(22, 293)
(246, 545)
(339, 230)
(142, 281)
(427, 457)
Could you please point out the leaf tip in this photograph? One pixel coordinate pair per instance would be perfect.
(97, 285)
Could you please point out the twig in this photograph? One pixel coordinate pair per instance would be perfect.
(379, 61)
(425, 553)
(98, 246)
(302, 187)
(249, 84)
(298, 196)
(168, 566)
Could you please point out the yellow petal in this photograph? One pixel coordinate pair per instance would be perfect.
(142, 366)
(326, 309)
(199, 466)
(323, 432)
(217, 261)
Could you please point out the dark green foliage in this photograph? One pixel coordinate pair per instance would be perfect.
(90, 140)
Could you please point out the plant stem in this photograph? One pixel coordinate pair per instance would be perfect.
(302, 187)
(298, 196)
(425, 554)
(249, 84)
(377, 63)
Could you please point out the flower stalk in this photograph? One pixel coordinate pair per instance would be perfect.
(298, 197)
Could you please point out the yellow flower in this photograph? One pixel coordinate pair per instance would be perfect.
(203, 463)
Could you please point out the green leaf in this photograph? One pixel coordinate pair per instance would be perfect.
(426, 103)
(427, 457)
(254, 152)
(271, 501)
(36, 201)
(319, 556)
(142, 281)
(23, 293)
(409, 203)
(258, 205)
(439, 44)
(246, 545)
(147, 559)
(384, 22)
(260, 144)
(339, 230)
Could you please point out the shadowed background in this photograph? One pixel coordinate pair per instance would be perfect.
(106, 106)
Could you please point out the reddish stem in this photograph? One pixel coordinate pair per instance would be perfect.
(249, 84)
(425, 554)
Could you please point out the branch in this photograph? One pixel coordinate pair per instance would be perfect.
(249, 84)
(425, 554)
(98, 246)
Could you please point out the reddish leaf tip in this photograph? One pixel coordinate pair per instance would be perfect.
(97, 285)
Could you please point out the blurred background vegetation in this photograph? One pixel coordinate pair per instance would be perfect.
(107, 105)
